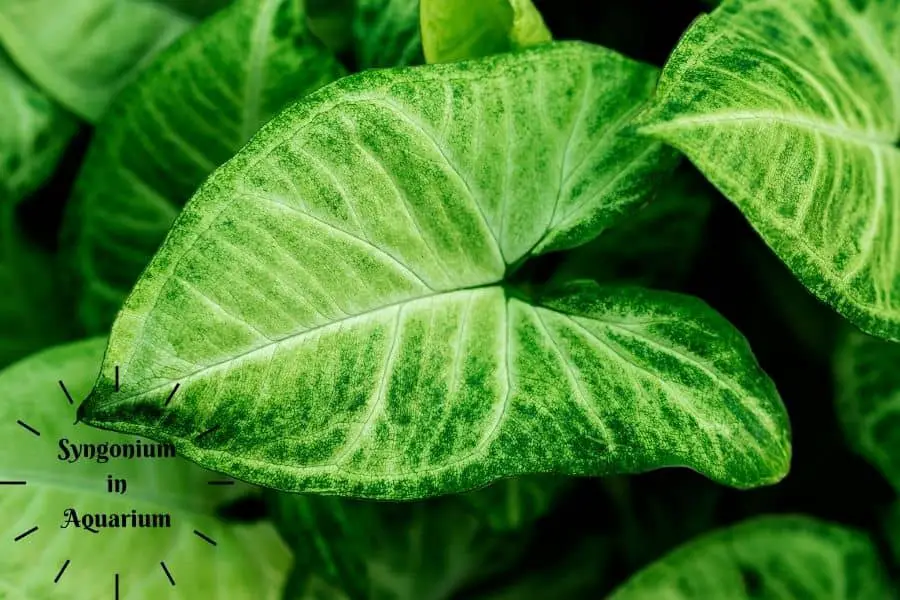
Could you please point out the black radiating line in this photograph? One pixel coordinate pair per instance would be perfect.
(29, 532)
(117, 586)
(208, 539)
(66, 392)
(29, 428)
(172, 394)
(207, 432)
(61, 571)
(169, 575)
(117, 378)
(13, 482)
(221, 482)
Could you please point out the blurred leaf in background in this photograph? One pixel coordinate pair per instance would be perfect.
(186, 115)
(767, 557)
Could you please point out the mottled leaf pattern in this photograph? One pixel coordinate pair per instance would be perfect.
(386, 33)
(332, 299)
(186, 115)
(776, 558)
(458, 30)
(82, 52)
(34, 131)
(249, 561)
(867, 379)
(792, 109)
(427, 549)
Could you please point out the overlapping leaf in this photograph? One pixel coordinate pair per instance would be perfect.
(331, 301)
(792, 109)
(458, 29)
(249, 561)
(867, 380)
(82, 52)
(777, 558)
(185, 116)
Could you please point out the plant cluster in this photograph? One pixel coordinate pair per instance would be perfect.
(454, 286)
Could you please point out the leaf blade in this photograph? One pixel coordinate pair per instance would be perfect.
(801, 138)
(331, 293)
(60, 49)
(454, 30)
(171, 128)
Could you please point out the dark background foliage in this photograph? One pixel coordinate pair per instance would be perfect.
(644, 516)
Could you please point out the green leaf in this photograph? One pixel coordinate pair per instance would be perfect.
(777, 558)
(249, 561)
(333, 298)
(459, 29)
(792, 109)
(868, 399)
(82, 52)
(656, 246)
(430, 549)
(168, 131)
(34, 131)
(386, 34)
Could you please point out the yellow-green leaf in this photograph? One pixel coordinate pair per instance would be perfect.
(458, 29)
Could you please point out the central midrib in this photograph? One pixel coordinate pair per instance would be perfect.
(838, 132)
(508, 293)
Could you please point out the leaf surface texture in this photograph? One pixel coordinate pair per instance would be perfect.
(792, 109)
(186, 115)
(332, 299)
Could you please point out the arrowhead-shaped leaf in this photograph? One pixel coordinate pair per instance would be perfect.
(770, 557)
(867, 380)
(334, 302)
(249, 561)
(792, 109)
(458, 29)
(186, 115)
(82, 52)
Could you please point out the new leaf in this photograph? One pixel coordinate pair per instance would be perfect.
(332, 300)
